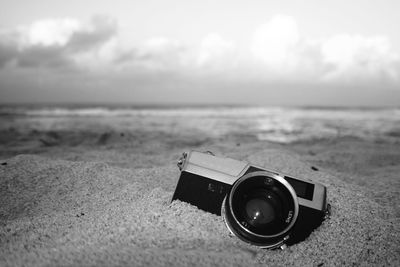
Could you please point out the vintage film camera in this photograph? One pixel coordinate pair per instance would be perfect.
(260, 206)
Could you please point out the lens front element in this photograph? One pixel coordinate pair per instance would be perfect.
(261, 208)
(259, 212)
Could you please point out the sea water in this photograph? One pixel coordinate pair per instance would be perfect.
(275, 124)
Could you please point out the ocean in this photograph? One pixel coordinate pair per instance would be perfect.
(274, 124)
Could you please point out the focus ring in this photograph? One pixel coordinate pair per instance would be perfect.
(236, 204)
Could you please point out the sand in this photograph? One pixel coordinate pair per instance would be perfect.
(105, 201)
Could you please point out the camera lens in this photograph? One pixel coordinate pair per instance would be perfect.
(261, 208)
(259, 212)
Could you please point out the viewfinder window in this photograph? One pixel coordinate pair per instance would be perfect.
(303, 189)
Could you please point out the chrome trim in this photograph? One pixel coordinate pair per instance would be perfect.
(279, 179)
(319, 195)
(277, 244)
(181, 161)
(225, 170)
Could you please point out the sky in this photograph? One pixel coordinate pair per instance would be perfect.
(312, 52)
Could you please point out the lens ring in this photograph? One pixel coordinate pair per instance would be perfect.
(270, 244)
(277, 178)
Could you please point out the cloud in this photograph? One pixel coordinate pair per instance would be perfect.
(276, 42)
(215, 52)
(50, 32)
(41, 56)
(160, 54)
(212, 54)
(277, 53)
(281, 52)
(8, 52)
(55, 43)
(355, 56)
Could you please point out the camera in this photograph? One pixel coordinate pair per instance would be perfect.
(262, 207)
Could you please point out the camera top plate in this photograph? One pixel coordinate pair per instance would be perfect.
(225, 170)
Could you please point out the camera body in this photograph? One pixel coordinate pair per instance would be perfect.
(260, 206)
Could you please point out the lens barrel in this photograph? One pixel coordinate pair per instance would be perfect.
(261, 209)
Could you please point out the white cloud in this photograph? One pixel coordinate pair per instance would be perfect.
(277, 52)
(49, 32)
(160, 54)
(214, 51)
(282, 53)
(355, 56)
(55, 43)
(275, 42)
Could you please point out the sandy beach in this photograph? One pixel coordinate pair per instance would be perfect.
(101, 197)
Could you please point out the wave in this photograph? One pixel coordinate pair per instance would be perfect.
(116, 112)
(277, 124)
(207, 111)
